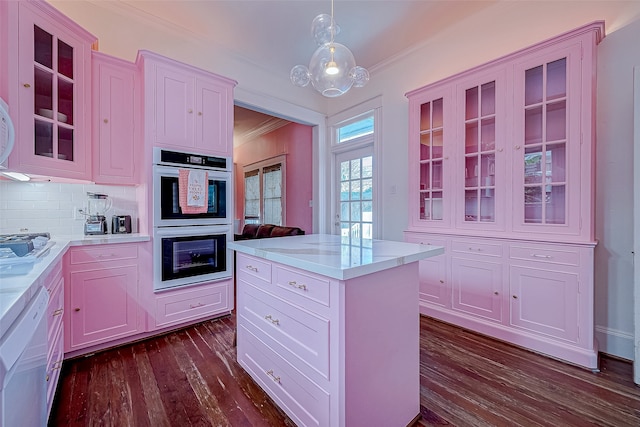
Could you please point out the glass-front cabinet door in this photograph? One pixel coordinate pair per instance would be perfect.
(547, 145)
(429, 159)
(53, 94)
(480, 169)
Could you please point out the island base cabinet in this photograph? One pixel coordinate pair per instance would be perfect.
(332, 352)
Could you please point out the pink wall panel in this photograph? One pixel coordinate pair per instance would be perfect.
(294, 140)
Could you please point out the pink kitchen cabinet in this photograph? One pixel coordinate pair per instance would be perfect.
(117, 136)
(435, 288)
(49, 71)
(186, 108)
(101, 295)
(501, 157)
(188, 305)
(331, 352)
(54, 283)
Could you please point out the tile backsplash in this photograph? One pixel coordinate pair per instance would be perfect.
(50, 207)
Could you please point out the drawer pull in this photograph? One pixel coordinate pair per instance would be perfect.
(273, 377)
(56, 365)
(111, 255)
(515, 297)
(478, 250)
(272, 320)
(76, 309)
(252, 268)
(196, 305)
(441, 281)
(295, 285)
(58, 312)
(541, 256)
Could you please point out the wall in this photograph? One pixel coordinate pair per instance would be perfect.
(495, 31)
(49, 207)
(294, 141)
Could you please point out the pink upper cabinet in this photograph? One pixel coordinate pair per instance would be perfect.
(185, 107)
(49, 70)
(508, 146)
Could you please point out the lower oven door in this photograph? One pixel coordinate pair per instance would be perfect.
(184, 256)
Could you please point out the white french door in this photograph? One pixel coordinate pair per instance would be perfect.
(353, 184)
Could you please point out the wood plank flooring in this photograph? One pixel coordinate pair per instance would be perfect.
(190, 378)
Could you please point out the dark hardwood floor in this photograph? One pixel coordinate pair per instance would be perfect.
(190, 378)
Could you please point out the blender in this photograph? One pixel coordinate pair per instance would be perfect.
(97, 207)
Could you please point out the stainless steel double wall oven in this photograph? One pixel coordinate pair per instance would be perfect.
(190, 248)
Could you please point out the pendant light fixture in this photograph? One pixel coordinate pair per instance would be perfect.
(332, 70)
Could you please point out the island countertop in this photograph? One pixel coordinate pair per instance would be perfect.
(335, 256)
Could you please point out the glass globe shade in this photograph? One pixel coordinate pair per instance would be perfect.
(332, 85)
(300, 76)
(323, 29)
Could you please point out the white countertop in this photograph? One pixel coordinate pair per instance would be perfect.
(328, 255)
(17, 290)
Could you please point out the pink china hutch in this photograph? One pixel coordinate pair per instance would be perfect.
(501, 174)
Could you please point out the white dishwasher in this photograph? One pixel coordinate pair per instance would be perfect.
(23, 364)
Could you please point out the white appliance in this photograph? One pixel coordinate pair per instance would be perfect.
(7, 134)
(23, 366)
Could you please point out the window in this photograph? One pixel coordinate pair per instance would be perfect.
(264, 192)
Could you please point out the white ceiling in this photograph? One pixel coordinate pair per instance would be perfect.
(277, 33)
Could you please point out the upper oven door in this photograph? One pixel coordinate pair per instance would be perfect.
(166, 202)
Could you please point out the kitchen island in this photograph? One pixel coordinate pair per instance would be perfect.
(329, 327)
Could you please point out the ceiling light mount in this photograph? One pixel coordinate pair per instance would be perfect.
(332, 70)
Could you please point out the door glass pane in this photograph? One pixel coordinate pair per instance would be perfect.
(65, 143)
(425, 176)
(43, 138)
(344, 171)
(471, 103)
(65, 59)
(533, 205)
(471, 171)
(437, 175)
(43, 93)
(367, 211)
(488, 134)
(367, 189)
(425, 204)
(556, 163)
(557, 79)
(471, 137)
(425, 145)
(437, 113)
(425, 116)
(533, 85)
(344, 190)
(436, 148)
(355, 190)
(487, 205)
(355, 211)
(471, 205)
(533, 165)
(436, 205)
(488, 99)
(355, 169)
(533, 125)
(367, 167)
(344, 211)
(65, 101)
(555, 208)
(43, 47)
(487, 169)
(556, 121)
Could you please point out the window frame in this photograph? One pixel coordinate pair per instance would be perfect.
(260, 167)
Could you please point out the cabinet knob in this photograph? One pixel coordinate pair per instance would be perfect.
(495, 293)
(515, 297)
(106, 120)
(517, 147)
(27, 85)
(189, 111)
(58, 312)
(76, 309)
(199, 113)
(441, 281)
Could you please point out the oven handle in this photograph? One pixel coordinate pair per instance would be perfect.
(198, 230)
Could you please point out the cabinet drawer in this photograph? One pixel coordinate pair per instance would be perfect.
(565, 255)
(303, 400)
(425, 240)
(177, 307)
(103, 253)
(55, 309)
(303, 336)
(477, 248)
(253, 267)
(303, 289)
(54, 365)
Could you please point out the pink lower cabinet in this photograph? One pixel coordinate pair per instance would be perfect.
(101, 295)
(536, 295)
(191, 304)
(331, 352)
(54, 283)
